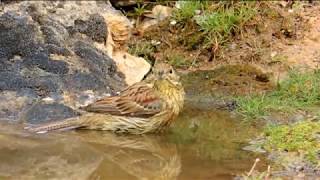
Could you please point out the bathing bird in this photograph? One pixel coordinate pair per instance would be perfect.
(148, 106)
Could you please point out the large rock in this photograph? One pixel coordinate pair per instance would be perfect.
(56, 55)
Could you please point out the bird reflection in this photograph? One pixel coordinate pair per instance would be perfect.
(144, 157)
(86, 155)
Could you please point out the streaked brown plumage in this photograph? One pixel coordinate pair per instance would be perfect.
(147, 106)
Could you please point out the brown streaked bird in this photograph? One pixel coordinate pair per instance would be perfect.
(144, 107)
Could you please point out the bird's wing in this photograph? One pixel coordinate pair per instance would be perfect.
(138, 100)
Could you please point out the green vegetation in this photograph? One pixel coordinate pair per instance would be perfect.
(139, 11)
(188, 10)
(299, 137)
(201, 28)
(299, 91)
(278, 59)
(142, 49)
(222, 22)
(219, 20)
(178, 60)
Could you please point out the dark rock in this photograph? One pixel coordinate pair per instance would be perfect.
(42, 86)
(39, 58)
(97, 62)
(230, 105)
(42, 61)
(12, 81)
(43, 112)
(124, 4)
(54, 33)
(3, 64)
(46, 85)
(95, 28)
(17, 36)
(54, 49)
(84, 81)
(8, 65)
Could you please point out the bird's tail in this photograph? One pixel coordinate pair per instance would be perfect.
(67, 124)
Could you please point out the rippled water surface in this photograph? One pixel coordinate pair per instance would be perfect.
(203, 144)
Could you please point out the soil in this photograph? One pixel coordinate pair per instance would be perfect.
(278, 39)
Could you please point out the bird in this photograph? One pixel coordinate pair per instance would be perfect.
(148, 106)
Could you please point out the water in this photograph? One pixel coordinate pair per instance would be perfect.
(203, 144)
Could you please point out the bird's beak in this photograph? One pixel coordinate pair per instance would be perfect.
(160, 76)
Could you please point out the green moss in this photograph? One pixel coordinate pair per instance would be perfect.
(299, 91)
(178, 60)
(194, 41)
(299, 137)
(279, 59)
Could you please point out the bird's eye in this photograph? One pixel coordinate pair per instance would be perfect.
(170, 71)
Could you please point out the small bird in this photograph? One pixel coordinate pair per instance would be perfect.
(148, 106)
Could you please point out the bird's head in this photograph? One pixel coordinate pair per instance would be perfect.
(164, 72)
(167, 84)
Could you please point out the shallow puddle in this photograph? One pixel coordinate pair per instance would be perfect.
(203, 144)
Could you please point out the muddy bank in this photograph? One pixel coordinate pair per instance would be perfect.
(217, 88)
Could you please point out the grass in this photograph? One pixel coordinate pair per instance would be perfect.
(188, 10)
(299, 91)
(222, 22)
(299, 137)
(142, 49)
(219, 20)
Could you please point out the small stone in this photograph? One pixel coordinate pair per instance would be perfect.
(155, 43)
(273, 54)
(194, 124)
(197, 12)
(133, 68)
(178, 4)
(254, 148)
(233, 46)
(173, 22)
(48, 99)
(161, 12)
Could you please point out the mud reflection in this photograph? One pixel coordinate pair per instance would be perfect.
(46, 157)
